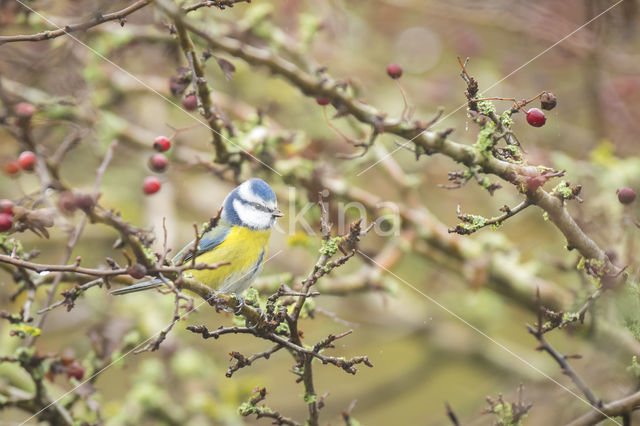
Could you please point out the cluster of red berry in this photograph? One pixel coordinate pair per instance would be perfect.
(26, 161)
(157, 163)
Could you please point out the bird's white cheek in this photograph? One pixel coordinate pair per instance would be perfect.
(251, 217)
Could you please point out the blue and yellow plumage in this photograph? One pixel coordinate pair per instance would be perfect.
(241, 237)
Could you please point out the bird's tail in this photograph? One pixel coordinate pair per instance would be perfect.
(145, 285)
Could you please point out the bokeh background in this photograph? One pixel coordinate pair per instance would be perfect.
(423, 355)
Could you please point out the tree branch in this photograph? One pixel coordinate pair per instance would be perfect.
(98, 19)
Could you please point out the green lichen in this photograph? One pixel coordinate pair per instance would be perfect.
(570, 316)
(506, 119)
(310, 399)
(150, 255)
(472, 223)
(485, 142)
(252, 297)
(27, 330)
(486, 107)
(515, 150)
(505, 415)
(563, 189)
(330, 246)
(634, 368)
(282, 329)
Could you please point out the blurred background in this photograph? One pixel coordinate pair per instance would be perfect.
(423, 355)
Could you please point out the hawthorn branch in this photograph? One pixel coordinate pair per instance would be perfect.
(619, 407)
(220, 4)
(538, 333)
(98, 19)
(75, 237)
(425, 140)
(466, 219)
(201, 91)
(105, 273)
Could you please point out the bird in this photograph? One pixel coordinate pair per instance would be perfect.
(241, 237)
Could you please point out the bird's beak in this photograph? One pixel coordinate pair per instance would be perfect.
(277, 213)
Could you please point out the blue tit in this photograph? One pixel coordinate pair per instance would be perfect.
(241, 237)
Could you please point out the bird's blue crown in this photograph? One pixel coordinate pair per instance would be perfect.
(250, 204)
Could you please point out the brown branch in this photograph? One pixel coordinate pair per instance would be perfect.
(619, 407)
(426, 141)
(538, 333)
(260, 411)
(201, 91)
(75, 237)
(220, 4)
(468, 219)
(105, 273)
(242, 361)
(98, 19)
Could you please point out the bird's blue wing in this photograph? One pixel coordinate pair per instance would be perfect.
(209, 241)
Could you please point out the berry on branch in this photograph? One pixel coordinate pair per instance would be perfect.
(162, 144)
(548, 101)
(5, 222)
(536, 117)
(6, 206)
(190, 102)
(394, 71)
(12, 167)
(27, 161)
(158, 163)
(323, 101)
(25, 110)
(151, 185)
(626, 195)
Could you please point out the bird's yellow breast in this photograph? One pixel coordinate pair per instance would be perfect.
(243, 247)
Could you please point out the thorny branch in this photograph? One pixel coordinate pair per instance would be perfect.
(201, 91)
(98, 19)
(538, 333)
(268, 326)
(425, 141)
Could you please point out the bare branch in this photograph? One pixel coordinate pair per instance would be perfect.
(98, 19)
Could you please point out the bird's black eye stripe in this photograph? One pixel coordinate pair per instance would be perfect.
(259, 207)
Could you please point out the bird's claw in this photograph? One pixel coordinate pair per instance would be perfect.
(240, 305)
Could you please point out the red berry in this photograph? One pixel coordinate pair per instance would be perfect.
(27, 161)
(190, 102)
(6, 206)
(158, 163)
(12, 167)
(75, 370)
(25, 110)
(151, 185)
(162, 144)
(323, 101)
(626, 195)
(394, 71)
(84, 202)
(137, 271)
(67, 203)
(536, 117)
(5, 222)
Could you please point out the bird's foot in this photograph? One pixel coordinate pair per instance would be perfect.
(240, 305)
